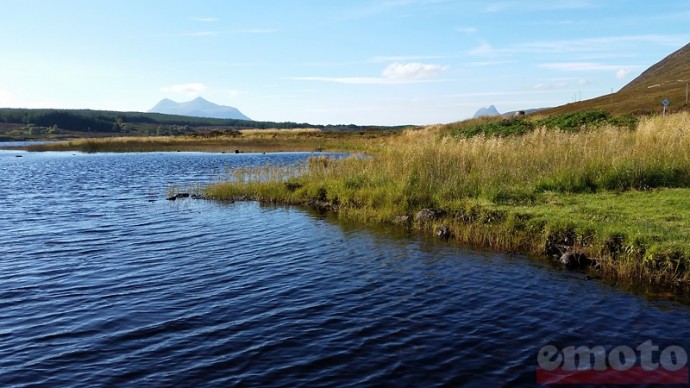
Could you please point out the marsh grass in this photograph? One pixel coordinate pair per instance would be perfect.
(567, 122)
(296, 140)
(615, 193)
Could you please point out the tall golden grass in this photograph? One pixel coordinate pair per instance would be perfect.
(249, 141)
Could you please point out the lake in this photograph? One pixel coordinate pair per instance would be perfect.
(104, 282)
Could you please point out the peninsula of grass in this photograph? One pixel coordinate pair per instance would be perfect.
(615, 191)
(279, 140)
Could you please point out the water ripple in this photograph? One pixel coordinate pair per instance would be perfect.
(101, 286)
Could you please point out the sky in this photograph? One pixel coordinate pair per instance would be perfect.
(378, 62)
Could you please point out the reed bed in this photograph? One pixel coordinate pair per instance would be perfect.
(301, 140)
(614, 193)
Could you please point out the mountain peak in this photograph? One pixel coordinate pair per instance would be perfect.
(490, 111)
(198, 107)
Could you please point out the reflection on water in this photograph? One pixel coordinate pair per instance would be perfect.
(104, 282)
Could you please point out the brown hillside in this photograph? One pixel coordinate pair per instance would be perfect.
(666, 79)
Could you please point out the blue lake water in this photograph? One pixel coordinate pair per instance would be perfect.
(104, 282)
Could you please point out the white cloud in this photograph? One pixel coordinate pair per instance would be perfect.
(622, 73)
(190, 89)
(234, 93)
(583, 81)
(412, 71)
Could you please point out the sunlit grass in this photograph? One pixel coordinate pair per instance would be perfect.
(290, 140)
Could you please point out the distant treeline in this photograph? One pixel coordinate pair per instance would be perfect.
(86, 120)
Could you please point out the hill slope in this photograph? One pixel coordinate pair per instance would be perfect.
(198, 107)
(666, 79)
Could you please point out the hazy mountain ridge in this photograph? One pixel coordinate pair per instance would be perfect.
(484, 112)
(198, 107)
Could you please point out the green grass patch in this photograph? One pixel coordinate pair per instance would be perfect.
(567, 122)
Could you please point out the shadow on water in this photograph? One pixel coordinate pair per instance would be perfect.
(402, 235)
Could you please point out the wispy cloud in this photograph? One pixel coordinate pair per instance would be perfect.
(193, 34)
(378, 7)
(192, 88)
(504, 6)
(407, 3)
(412, 71)
(204, 19)
(256, 31)
(467, 30)
(487, 63)
(602, 47)
(596, 44)
(348, 80)
(582, 66)
(483, 50)
(395, 73)
(550, 86)
(401, 58)
(202, 34)
(621, 71)
(503, 93)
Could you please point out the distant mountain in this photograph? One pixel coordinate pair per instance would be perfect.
(490, 111)
(667, 79)
(198, 107)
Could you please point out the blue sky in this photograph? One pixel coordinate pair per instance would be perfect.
(385, 62)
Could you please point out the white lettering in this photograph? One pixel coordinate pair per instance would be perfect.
(622, 358)
(546, 359)
(666, 358)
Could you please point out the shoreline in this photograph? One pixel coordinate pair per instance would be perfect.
(609, 199)
(517, 233)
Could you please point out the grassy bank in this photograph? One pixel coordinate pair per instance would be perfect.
(614, 193)
(283, 140)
